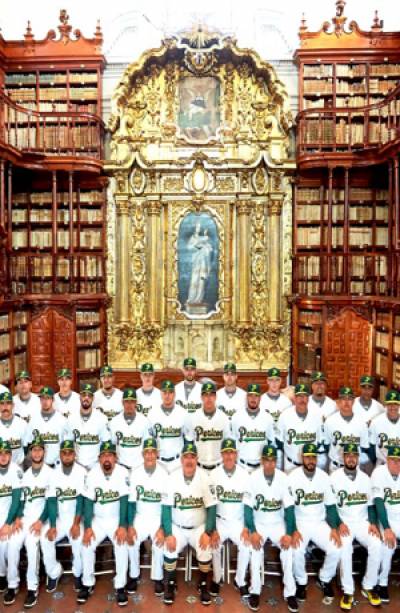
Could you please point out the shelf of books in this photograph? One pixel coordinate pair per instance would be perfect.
(387, 348)
(306, 342)
(90, 342)
(13, 343)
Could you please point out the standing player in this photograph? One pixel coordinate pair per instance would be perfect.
(148, 396)
(26, 403)
(70, 479)
(128, 431)
(274, 401)
(12, 428)
(147, 489)
(355, 505)
(252, 429)
(231, 398)
(188, 518)
(105, 515)
(89, 429)
(188, 391)
(384, 430)
(167, 425)
(231, 484)
(319, 401)
(270, 516)
(208, 427)
(108, 398)
(66, 401)
(364, 405)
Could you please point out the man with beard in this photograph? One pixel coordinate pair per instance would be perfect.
(355, 505)
(384, 431)
(105, 515)
(13, 428)
(70, 479)
(66, 401)
(148, 396)
(167, 424)
(364, 405)
(89, 429)
(231, 398)
(26, 403)
(108, 399)
(319, 401)
(188, 391)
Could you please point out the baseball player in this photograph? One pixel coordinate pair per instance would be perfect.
(364, 405)
(105, 515)
(297, 426)
(167, 425)
(231, 484)
(69, 479)
(319, 401)
(49, 425)
(89, 429)
(273, 401)
(10, 495)
(188, 518)
(147, 490)
(188, 391)
(354, 502)
(39, 505)
(108, 398)
(148, 396)
(270, 516)
(231, 398)
(26, 403)
(252, 429)
(13, 429)
(384, 430)
(128, 431)
(385, 484)
(66, 401)
(316, 521)
(344, 427)
(208, 427)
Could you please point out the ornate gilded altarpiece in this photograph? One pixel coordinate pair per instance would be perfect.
(199, 208)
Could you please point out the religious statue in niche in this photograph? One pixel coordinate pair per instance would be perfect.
(198, 254)
(199, 107)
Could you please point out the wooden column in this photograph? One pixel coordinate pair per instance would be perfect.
(274, 255)
(2, 194)
(123, 244)
(243, 261)
(54, 230)
(154, 260)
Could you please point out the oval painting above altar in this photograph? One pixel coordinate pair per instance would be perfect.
(199, 108)
(198, 256)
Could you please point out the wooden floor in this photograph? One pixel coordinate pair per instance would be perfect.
(102, 601)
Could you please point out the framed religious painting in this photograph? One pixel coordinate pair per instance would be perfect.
(199, 108)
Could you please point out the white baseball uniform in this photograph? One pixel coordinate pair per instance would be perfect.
(148, 401)
(353, 497)
(148, 491)
(369, 413)
(14, 432)
(3, 389)
(294, 431)
(88, 432)
(338, 431)
(269, 499)
(383, 433)
(10, 480)
(128, 436)
(230, 489)
(274, 404)
(67, 405)
(311, 494)
(53, 430)
(109, 404)
(189, 397)
(69, 485)
(27, 408)
(208, 431)
(323, 409)
(252, 430)
(168, 428)
(230, 402)
(106, 491)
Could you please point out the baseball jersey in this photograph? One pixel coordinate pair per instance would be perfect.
(15, 432)
(88, 434)
(293, 432)
(252, 431)
(375, 409)
(107, 490)
(208, 432)
(189, 498)
(387, 487)
(324, 410)
(193, 401)
(67, 405)
(68, 488)
(148, 490)
(230, 490)
(110, 405)
(10, 480)
(339, 431)
(27, 408)
(274, 405)
(37, 487)
(311, 495)
(168, 428)
(128, 436)
(383, 433)
(147, 402)
(53, 429)
(230, 403)
(353, 496)
(3, 389)
(268, 499)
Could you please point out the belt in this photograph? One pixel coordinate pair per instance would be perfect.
(208, 466)
(251, 464)
(175, 457)
(293, 462)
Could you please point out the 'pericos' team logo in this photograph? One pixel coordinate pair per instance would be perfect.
(351, 499)
(308, 498)
(391, 496)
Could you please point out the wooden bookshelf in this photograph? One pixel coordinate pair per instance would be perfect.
(13, 342)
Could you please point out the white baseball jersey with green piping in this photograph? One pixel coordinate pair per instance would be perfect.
(128, 436)
(147, 402)
(208, 432)
(231, 403)
(384, 433)
(110, 405)
(294, 431)
(15, 432)
(88, 434)
(252, 430)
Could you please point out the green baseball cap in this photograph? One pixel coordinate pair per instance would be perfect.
(189, 447)
(392, 397)
(191, 362)
(167, 385)
(254, 388)
(46, 392)
(310, 449)
(269, 451)
(228, 444)
(23, 374)
(6, 397)
(147, 367)
(350, 448)
(64, 372)
(273, 373)
(129, 393)
(367, 380)
(5, 446)
(301, 389)
(317, 375)
(67, 444)
(149, 443)
(108, 447)
(346, 392)
(393, 452)
(106, 370)
(87, 388)
(230, 367)
(37, 442)
(208, 388)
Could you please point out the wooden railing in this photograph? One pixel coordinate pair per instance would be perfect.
(51, 133)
